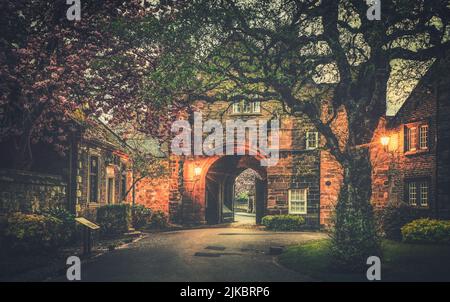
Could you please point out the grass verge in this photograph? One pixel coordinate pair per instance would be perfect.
(399, 262)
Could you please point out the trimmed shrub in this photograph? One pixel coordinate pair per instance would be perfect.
(283, 222)
(68, 222)
(114, 219)
(140, 216)
(427, 231)
(242, 197)
(158, 220)
(391, 218)
(33, 233)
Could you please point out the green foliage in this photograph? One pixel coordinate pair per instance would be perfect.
(140, 216)
(33, 233)
(158, 220)
(114, 219)
(427, 231)
(242, 197)
(283, 222)
(354, 235)
(67, 219)
(391, 218)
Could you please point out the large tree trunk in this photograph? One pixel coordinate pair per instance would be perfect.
(354, 236)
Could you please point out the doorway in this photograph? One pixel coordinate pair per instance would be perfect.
(227, 199)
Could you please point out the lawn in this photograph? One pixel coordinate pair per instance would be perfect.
(399, 262)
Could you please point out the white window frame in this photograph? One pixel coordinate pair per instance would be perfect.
(303, 194)
(424, 191)
(247, 107)
(237, 107)
(316, 139)
(412, 191)
(411, 138)
(256, 106)
(423, 137)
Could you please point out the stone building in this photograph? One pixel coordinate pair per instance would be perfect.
(101, 169)
(409, 155)
(94, 171)
(413, 166)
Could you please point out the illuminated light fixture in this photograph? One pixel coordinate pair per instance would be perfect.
(385, 141)
(197, 171)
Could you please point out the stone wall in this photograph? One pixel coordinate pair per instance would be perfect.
(153, 193)
(30, 192)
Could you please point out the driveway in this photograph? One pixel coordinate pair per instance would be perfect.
(213, 254)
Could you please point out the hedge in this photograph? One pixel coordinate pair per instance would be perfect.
(141, 216)
(158, 220)
(34, 233)
(283, 222)
(114, 219)
(427, 231)
(391, 218)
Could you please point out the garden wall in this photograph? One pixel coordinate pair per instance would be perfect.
(29, 192)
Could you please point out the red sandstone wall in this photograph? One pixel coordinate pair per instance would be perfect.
(151, 192)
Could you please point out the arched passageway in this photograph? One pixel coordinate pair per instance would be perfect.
(220, 188)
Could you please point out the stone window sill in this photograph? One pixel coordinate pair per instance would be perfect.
(417, 152)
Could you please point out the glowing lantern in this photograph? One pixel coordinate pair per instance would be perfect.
(385, 141)
(197, 171)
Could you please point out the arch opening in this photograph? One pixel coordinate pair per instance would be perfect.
(220, 190)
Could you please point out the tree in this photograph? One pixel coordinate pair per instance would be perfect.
(147, 160)
(300, 53)
(52, 69)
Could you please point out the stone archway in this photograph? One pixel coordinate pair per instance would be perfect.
(219, 187)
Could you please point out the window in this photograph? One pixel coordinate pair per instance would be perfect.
(236, 108)
(416, 137)
(110, 190)
(418, 192)
(423, 137)
(412, 189)
(246, 107)
(256, 107)
(312, 140)
(297, 201)
(411, 138)
(424, 194)
(93, 179)
(124, 185)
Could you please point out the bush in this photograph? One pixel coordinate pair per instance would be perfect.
(391, 218)
(114, 219)
(158, 220)
(283, 222)
(68, 222)
(242, 197)
(140, 216)
(426, 231)
(33, 233)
